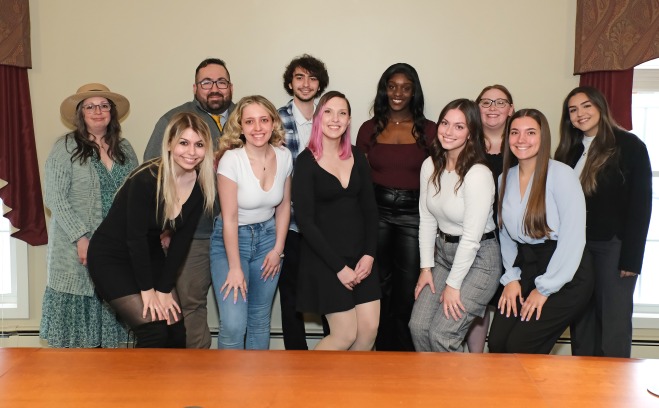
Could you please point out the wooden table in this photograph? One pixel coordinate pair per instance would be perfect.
(212, 378)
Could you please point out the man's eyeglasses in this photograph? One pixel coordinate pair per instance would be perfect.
(208, 84)
(89, 108)
(499, 103)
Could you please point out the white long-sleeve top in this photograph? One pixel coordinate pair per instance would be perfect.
(466, 212)
(566, 216)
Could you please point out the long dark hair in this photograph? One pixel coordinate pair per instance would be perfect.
(381, 103)
(474, 149)
(602, 148)
(86, 148)
(535, 217)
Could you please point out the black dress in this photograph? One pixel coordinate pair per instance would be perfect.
(125, 254)
(338, 226)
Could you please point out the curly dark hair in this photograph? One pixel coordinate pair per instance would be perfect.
(381, 103)
(314, 66)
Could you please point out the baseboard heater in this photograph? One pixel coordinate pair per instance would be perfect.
(277, 334)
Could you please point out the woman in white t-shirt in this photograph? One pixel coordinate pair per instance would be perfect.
(460, 257)
(247, 244)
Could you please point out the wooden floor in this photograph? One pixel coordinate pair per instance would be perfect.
(238, 379)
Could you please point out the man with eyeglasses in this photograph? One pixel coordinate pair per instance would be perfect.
(305, 79)
(213, 91)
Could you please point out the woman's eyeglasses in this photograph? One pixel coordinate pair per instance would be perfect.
(499, 103)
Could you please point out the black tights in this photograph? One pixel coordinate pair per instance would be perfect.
(149, 333)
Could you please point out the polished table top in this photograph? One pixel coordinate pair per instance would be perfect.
(212, 378)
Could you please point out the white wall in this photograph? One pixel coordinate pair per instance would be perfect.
(148, 50)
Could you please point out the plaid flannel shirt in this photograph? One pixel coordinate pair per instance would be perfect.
(292, 143)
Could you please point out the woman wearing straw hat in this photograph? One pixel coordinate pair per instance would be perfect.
(83, 172)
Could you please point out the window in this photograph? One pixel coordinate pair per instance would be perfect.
(645, 119)
(13, 274)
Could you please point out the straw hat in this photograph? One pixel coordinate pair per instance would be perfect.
(69, 105)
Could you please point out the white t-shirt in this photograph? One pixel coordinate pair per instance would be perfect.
(254, 204)
(466, 213)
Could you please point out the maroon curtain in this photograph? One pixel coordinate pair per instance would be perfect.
(18, 158)
(617, 88)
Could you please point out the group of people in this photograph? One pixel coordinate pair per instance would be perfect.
(402, 242)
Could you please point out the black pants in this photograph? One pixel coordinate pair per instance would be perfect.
(605, 328)
(292, 321)
(398, 263)
(511, 335)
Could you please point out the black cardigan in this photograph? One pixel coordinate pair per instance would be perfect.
(622, 204)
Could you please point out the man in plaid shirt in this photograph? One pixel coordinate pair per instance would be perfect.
(305, 79)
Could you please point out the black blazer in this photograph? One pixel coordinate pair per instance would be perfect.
(622, 204)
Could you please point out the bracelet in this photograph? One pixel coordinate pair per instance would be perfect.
(281, 254)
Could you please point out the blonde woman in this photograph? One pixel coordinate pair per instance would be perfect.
(127, 261)
(247, 244)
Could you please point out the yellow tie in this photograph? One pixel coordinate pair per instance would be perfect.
(216, 118)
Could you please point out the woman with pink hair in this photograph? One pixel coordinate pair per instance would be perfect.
(337, 215)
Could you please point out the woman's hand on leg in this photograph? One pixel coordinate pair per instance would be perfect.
(169, 306)
(271, 265)
(236, 282)
(450, 297)
(152, 304)
(533, 303)
(425, 278)
(508, 300)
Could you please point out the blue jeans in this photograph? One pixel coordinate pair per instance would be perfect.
(245, 324)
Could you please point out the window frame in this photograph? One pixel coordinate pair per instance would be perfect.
(17, 306)
(646, 80)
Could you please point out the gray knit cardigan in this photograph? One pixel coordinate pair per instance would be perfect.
(72, 192)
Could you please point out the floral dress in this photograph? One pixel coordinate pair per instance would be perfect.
(78, 321)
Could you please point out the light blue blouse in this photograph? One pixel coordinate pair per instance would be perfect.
(566, 217)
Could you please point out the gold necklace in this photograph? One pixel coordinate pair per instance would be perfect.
(264, 161)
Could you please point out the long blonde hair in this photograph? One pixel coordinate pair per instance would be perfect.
(233, 138)
(166, 184)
